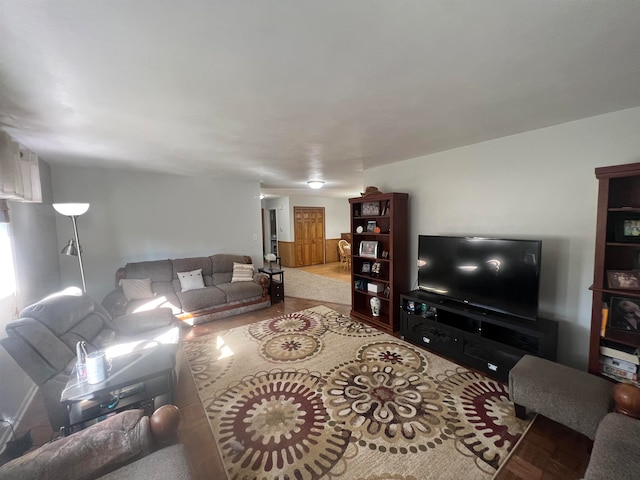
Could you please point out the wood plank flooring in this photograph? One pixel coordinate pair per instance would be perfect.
(331, 270)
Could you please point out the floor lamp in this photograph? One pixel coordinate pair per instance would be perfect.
(73, 248)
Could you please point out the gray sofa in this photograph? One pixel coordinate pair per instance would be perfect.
(220, 295)
(43, 340)
(582, 402)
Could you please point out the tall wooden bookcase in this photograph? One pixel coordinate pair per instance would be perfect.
(380, 221)
(617, 249)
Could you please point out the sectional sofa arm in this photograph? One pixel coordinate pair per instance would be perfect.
(115, 303)
(263, 280)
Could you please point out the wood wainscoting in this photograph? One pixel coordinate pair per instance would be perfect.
(331, 250)
(288, 252)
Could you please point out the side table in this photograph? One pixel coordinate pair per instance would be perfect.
(276, 286)
(137, 379)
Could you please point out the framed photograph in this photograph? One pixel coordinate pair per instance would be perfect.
(624, 314)
(368, 249)
(375, 268)
(624, 279)
(371, 226)
(627, 228)
(370, 208)
(366, 267)
(385, 254)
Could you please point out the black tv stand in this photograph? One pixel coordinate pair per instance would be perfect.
(487, 341)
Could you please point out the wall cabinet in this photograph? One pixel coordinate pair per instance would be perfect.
(379, 266)
(617, 256)
(489, 342)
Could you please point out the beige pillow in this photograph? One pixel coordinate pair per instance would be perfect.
(137, 288)
(191, 280)
(242, 272)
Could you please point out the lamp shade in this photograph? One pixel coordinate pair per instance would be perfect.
(71, 209)
(70, 249)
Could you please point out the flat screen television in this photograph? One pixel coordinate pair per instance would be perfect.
(499, 275)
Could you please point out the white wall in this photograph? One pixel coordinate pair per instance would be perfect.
(148, 216)
(538, 185)
(281, 206)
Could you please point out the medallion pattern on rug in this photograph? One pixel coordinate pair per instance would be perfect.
(315, 394)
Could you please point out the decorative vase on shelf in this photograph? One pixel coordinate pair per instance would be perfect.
(375, 306)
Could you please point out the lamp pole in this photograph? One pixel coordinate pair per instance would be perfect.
(75, 233)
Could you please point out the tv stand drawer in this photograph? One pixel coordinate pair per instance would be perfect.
(431, 334)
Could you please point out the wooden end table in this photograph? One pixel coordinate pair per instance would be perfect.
(276, 286)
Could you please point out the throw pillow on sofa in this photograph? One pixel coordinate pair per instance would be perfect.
(191, 280)
(242, 272)
(136, 288)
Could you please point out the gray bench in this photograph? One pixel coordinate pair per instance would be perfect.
(582, 402)
(568, 396)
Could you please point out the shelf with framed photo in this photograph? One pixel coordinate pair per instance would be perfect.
(365, 268)
(368, 248)
(370, 208)
(616, 278)
(376, 269)
(624, 279)
(379, 229)
(624, 318)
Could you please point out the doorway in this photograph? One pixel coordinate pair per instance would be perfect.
(309, 235)
(273, 236)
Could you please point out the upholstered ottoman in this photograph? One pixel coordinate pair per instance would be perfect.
(568, 396)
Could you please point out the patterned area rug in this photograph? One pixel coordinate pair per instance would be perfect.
(315, 394)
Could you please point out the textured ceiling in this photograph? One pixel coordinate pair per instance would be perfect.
(286, 91)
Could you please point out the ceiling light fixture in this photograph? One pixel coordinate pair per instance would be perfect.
(315, 184)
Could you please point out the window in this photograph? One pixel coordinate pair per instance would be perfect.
(7, 272)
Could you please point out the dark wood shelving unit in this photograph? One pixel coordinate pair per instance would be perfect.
(618, 201)
(391, 238)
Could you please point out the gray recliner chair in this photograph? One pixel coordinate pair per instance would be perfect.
(43, 340)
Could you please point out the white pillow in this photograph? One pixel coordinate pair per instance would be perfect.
(242, 272)
(136, 288)
(191, 280)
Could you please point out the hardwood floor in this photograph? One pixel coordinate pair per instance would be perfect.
(331, 270)
(549, 451)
